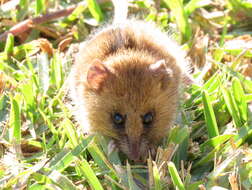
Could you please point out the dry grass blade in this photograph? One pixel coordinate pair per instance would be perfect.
(233, 181)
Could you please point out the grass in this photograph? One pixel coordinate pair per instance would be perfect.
(41, 146)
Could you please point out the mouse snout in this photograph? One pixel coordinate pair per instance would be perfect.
(134, 148)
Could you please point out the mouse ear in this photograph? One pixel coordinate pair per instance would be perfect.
(97, 74)
(160, 70)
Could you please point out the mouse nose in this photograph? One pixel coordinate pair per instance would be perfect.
(134, 132)
(134, 149)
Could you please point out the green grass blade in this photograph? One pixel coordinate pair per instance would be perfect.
(194, 186)
(89, 174)
(192, 5)
(95, 10)
(15, 121)
(56, 71)
(218, 54)
(37, 187)
(76, 13)
(40, 6)
(213, 83)
(48, 122)
(215, 141)
(224, 33)
(62, 181)
(177, 182)
(210, 119)
(156, 176)
(181, 18)
(9, 46)
(220, 169)
(248, 98)
(29, 97)
(240, 99)
(4, 112)
(178, 135)
(207, 158)
(43, 72)
(246, 82)
(69, 157)
(131, 182)
(100, 158)
(244, 134)
(23, 3)
(70, 132)
(231, 106)
(113, 156)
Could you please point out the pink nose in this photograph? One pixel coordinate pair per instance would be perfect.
(134, 149)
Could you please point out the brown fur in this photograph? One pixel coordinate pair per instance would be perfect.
(119, 70)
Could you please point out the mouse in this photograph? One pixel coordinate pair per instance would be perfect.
(125, 84)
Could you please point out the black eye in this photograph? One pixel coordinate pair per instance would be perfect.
(147, 119)
(118, 120)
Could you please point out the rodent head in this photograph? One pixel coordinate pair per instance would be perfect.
(133, 99)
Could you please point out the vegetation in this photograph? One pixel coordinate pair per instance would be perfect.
(41, 146)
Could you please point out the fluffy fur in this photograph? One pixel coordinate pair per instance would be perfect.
(130, 68)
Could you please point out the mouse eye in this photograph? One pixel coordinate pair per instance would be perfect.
(147, 119)
(118, 120)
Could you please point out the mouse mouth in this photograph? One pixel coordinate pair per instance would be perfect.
(136, 151)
